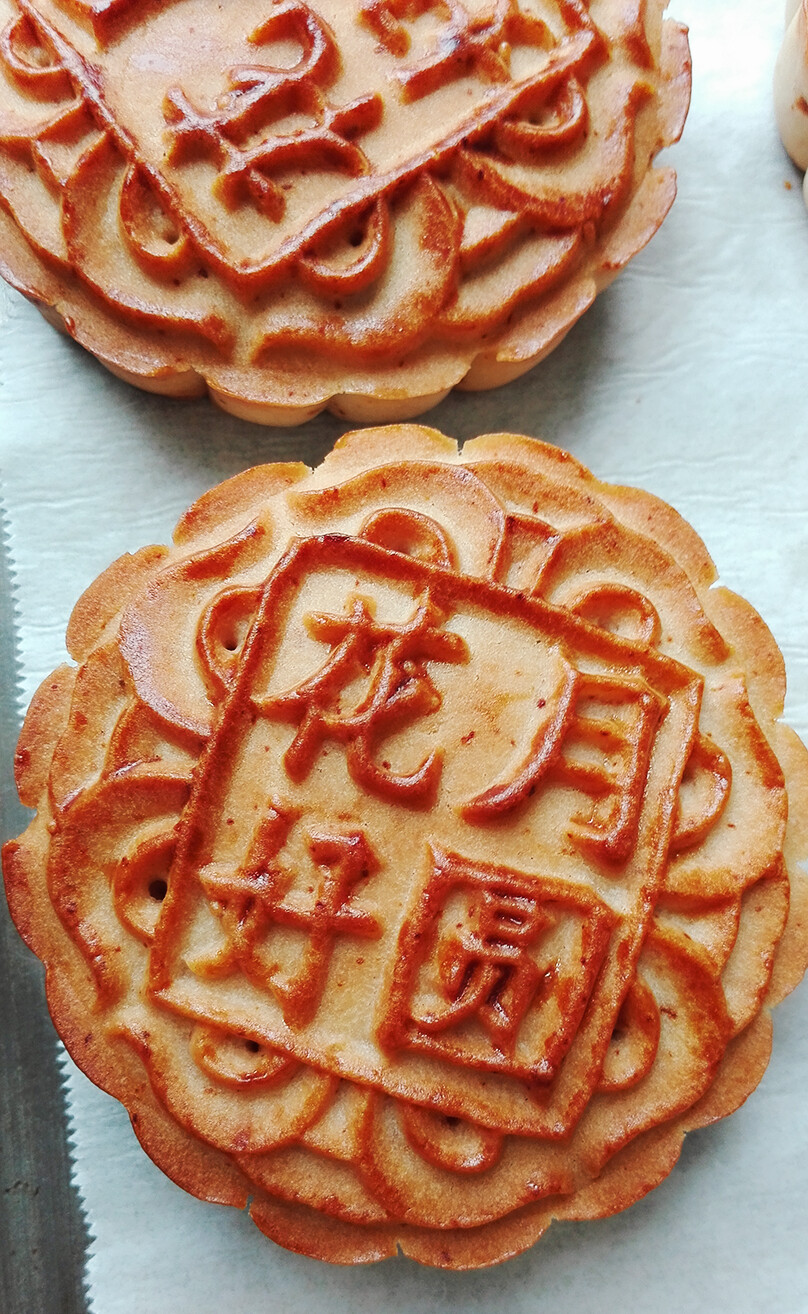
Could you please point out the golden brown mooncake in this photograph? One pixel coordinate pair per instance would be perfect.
(412, 853)
(356, 204)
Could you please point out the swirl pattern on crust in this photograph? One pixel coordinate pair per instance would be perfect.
(356, 204)
(412, 853)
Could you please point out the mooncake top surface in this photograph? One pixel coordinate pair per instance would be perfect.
(413, 851)
(354, 203)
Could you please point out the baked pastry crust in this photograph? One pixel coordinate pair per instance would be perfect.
(413, 854)
(357, 205)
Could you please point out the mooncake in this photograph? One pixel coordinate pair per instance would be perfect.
(356, 204)
(413, 854)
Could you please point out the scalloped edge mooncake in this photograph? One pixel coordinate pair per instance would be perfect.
(418, 850)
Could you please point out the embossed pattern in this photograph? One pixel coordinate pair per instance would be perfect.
(450, 879)
(348, 204)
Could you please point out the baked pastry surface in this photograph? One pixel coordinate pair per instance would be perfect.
(356, 204)
(413, 854)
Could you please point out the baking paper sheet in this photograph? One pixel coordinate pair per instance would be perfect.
(687, 378)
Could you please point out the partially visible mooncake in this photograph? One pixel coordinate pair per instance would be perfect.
(413, 854)
(791, 84)
(356, 204)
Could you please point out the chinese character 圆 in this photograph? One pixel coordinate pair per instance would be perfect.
(495, 967)
(486, 968)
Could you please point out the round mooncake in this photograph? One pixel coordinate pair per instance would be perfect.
(413, 854)
(356, 204)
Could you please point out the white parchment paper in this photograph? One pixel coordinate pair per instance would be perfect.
(687, 378)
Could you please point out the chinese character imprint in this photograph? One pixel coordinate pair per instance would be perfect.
(598, 740)
(478, 44)
(495, 967)
(259, 97)
(254, 899)
(486, 969)
(399, 691)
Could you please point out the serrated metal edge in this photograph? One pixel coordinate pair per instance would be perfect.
(44, 1234)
